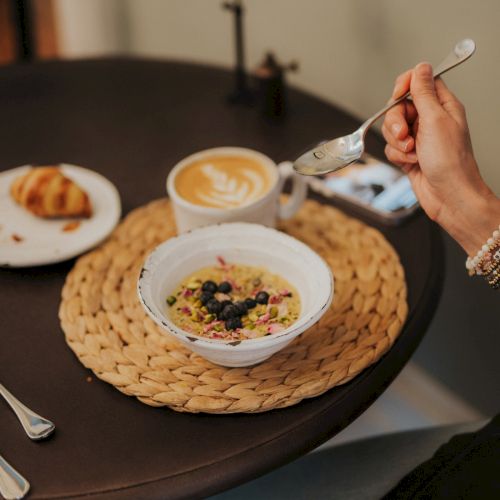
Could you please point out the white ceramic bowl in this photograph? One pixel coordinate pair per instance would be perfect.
(240, 243)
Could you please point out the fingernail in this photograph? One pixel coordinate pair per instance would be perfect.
(412, 157)
(406, 145)
(424, 69)
(396, 128)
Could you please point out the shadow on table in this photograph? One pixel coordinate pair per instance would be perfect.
(361, 470)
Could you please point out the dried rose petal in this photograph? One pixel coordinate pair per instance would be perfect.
(263, 319)
(249, 334)
(275, 328)
(275, 299)
(208, 327)
(234, 285)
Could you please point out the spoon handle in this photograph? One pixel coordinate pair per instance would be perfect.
(12, 484)
(460, 53)
(35, 426)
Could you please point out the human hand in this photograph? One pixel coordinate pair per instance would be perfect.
(429, 139)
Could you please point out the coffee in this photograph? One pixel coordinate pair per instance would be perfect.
(223, 181)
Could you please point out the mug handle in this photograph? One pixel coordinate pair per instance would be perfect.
(299, 190)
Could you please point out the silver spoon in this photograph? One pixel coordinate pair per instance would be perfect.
(12, 484)
(35, 426)
(340, 152)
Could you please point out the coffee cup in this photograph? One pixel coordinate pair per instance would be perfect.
(232, 184)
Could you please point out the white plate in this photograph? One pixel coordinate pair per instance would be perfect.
(43, 240)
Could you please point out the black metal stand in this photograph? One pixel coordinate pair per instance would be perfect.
(23, 22)
(242, 93)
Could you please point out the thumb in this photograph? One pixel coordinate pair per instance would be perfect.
(423, 91)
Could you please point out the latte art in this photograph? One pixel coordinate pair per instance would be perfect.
(230, 191)
(223, 182)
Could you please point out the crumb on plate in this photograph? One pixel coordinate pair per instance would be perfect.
(71, 226)
(17, 238)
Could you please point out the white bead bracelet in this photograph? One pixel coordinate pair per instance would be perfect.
(473, 263)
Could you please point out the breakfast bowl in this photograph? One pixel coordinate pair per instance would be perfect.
(243, 244)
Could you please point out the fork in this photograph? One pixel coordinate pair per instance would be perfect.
(35, 426)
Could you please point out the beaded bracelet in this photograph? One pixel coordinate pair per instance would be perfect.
(487, 261)
(493, 278)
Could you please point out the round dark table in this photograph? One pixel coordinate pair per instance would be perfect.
(132, 120)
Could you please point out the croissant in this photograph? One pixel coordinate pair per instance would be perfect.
(46, 192)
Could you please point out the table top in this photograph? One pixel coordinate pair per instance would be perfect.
(132, 120)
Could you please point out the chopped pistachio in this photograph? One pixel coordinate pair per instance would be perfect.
(273, 312)
(250, 326)
(209, 318)
(218, 328)
(198, 304)
(193, 285)
(171, 300)
(204, 309)
(253, 317)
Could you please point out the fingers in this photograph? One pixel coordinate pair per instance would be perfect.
(414, 127)
(395, 122)
(423, 90)
(406, 145)
(397, 126)
(398, 157)
(398, 119)
(395, 118)
(402, 84)
(449, 101)
(408, 169)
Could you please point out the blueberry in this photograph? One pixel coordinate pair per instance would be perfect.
(230, 311)
(205, 297)
(221, 315)
(262, 298)
(233, 323)
(250, 303)
(242, 308)
(209, 286)
(225, 287)
(214, 306)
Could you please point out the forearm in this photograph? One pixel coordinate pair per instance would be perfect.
(471, 218)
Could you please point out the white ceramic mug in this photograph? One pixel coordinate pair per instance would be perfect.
(265, 210)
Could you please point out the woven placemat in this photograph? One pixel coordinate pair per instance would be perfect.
(108, 330)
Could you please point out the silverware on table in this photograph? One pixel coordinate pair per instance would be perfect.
(12, 484)
(340, 152)
(35, 426)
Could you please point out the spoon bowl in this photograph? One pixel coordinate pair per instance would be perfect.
(338, 153)
(332, 155)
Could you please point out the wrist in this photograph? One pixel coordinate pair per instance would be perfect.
(472, 218)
